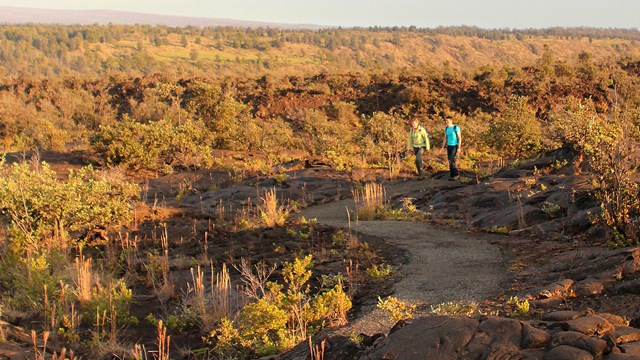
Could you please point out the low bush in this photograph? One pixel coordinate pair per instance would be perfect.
(285, 316)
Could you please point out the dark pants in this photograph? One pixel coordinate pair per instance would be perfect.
(419, 151)
(452, 151)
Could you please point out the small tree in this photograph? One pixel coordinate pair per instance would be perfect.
(578, 126)
(228, 120)
(193, 54)
(381, 138)
(614, 166)
(516, 132)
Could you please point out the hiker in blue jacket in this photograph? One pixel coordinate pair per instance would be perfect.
(453, 142)
(418, 142)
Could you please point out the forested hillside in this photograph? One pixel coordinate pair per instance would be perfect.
(46, 51)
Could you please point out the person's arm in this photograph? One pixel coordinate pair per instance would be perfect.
(444, 140)
(426, 139)
(409, 142)
(459, 139)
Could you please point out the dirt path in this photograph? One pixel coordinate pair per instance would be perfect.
(443, 264)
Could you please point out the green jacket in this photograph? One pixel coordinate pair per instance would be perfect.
(418, 138)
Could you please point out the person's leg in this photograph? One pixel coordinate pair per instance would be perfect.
(453, 161)
(418, 152)
(452, 151)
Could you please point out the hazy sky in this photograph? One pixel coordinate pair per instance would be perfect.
(347, 13)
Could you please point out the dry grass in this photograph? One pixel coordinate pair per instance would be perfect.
(271, 212)
(196, 288)
(316, 351)
(221, 292)
(352, 272)
(84, 273)
(219, 302)
(369, 200)
(37, 354)
(164, 341)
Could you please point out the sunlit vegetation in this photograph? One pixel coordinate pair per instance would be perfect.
(78, 248)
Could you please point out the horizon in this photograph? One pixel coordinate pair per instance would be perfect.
(495, 14)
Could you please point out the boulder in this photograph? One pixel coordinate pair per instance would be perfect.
(594, 346)
(589, 325)
(588, 287)
(437, 337)
(533, 338)
(554, 290)
(621, 356)
(562, 315)
(495, 336)
(615, 320)
(566, 352)
(626, 334)
(631, 348)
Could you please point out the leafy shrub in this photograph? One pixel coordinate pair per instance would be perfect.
(158, 145)
(227, 119)
(381, 137)
(262, 324)
(114, 299)
(516, 133)
(321, 136)
(283, 317)
(39, 206)
(550, 208)
(379, 272)
(578, 126)
(613, 169)
(398, 310)
(519, 307)
(455, 308)
(276, 136)
(332, 305)
(499, 229)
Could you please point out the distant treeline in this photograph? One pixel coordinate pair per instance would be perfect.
(51, 50)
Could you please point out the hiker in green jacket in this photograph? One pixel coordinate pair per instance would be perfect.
(418, 142)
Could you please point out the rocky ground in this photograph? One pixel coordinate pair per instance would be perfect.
(525, 231)
(583, 295)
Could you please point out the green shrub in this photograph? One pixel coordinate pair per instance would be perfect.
(284, 317)
(550, 208)
(499, 229)
(332, 306)
(519, 307)
(380, 139)
(516, 133)
(39, 206)
(577, 125)
(398, 310)
(455, 308)
(613, 170)
(158, 145)
(378, 272)
(227, 120)
(113, 299)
